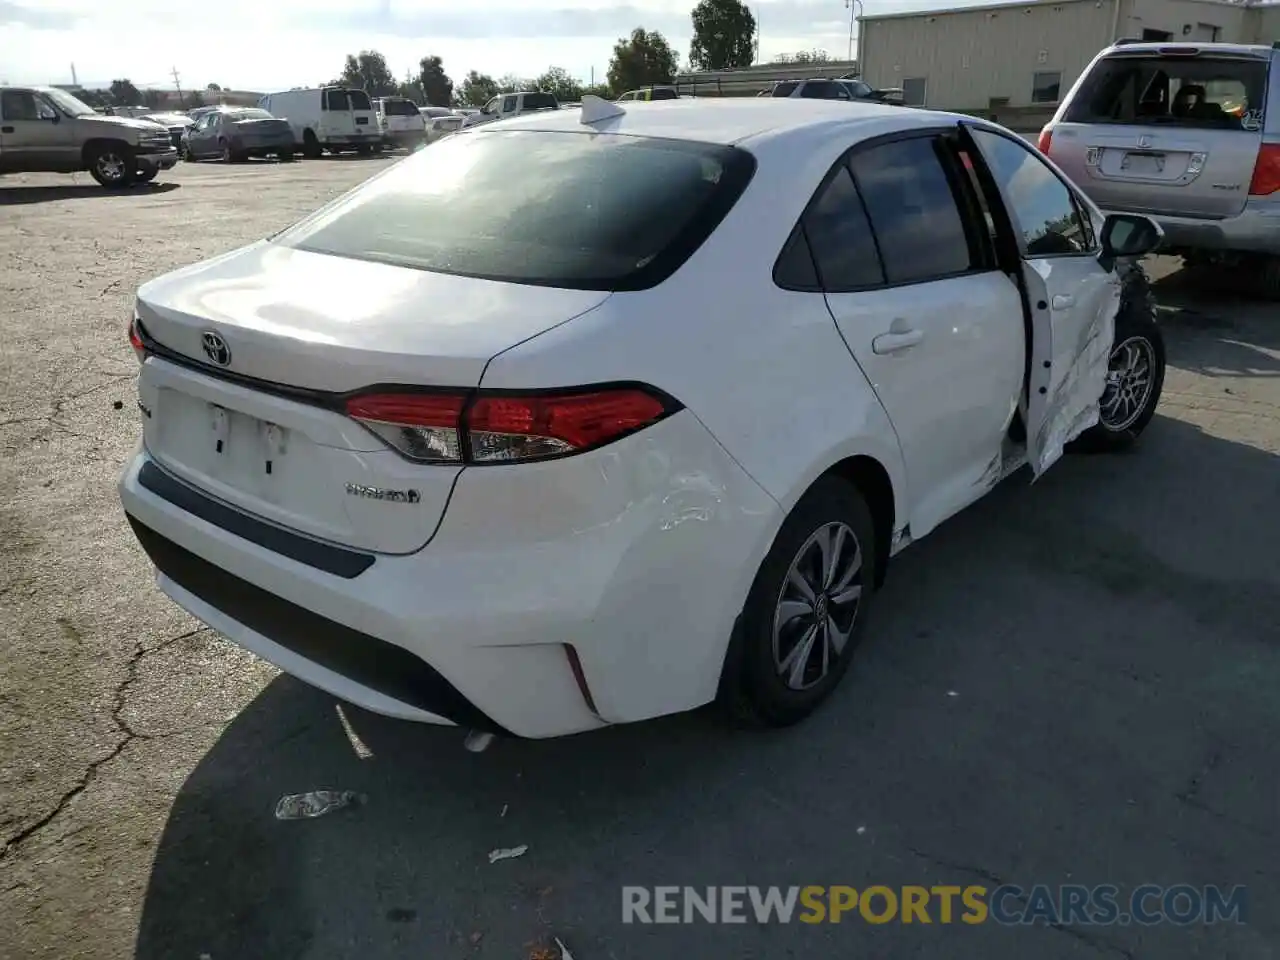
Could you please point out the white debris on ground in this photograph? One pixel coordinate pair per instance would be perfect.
(508, 853)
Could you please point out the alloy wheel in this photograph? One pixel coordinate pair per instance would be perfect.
(110, 166)
(817, 606)
(1129, 383)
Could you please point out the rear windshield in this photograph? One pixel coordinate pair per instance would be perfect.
(585, 211)
(250, 115)
(821, 90)
(400, 108)
(1184, 91)
(663, 93)
(336, 100)
(784, 89)
(540, 101)
(359, 100)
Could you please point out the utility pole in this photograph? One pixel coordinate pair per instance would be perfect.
(854, 6)
(177, 84)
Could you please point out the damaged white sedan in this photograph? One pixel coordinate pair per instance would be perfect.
(589, 417)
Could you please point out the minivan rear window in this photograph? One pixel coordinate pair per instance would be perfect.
(540, 101)
(565, 209)
(1177, 90)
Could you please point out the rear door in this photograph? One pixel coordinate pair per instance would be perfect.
(935, 327)
(336, 120)
(1174, 132)
(1072, 300)
(362, 117)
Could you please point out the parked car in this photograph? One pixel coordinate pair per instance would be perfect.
(1188, 133)
(336, 119)
(837, 89)
(176, 123)
(510, 105)
(494, 495)
(439, 127)
(47, 130)
(235, 134)
(650, 93)
(400, 121)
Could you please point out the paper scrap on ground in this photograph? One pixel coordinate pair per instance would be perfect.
(508, 853)
(315, 803)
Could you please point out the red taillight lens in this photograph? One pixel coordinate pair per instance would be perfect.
(1045, 141)
(501, 428)
(522, 428)
(421, 426)
(135, 337)
(1266, 172)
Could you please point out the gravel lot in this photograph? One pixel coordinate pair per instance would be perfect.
(1073, 682)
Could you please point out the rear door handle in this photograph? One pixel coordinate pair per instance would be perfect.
(1064, 301)
(893, 342)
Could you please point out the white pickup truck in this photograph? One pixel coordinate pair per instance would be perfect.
(508, 105)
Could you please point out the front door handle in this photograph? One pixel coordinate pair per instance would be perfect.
(898, 340)
(1064, 301)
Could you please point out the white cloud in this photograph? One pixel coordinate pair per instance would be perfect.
(272, 44)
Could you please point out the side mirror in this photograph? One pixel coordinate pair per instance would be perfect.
(1129, 235)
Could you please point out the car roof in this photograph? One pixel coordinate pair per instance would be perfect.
(1236, 49)
(728, 120)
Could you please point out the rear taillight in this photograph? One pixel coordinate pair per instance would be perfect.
(135, 338)
(1266, 172)
(1045, 141)
(488, 427)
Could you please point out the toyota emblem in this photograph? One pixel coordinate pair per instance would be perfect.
(215, 348)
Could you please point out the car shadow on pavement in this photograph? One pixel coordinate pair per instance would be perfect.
(1211, 330)
(17, 196)
(1046, 677)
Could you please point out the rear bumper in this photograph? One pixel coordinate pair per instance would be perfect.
(1255, 230)
(634, 560)
(354, 139)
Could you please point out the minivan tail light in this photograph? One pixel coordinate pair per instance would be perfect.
(502, 427)
(135, 338)
(1045, 141)
(1266, 172)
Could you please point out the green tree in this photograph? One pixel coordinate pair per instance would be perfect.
(510, 83)
(125, 94)
(214, 88)
(724, 35)
(369, 72)
(600, 90)
(195, 99)
(477, 89)
(151, 99)
(643, 59)
(557, 81)
(437, 88)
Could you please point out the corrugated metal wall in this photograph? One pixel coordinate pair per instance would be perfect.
(972, 57)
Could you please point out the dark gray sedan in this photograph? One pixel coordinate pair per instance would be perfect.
(235, 134)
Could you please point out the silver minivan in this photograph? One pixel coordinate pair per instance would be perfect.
(1189, 134)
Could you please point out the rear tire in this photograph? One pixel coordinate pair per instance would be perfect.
(311, 145)
(1135, 371)
(825, 548)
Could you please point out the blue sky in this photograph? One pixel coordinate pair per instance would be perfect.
(276, 44)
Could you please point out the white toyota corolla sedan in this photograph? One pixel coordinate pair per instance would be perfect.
(594, 416)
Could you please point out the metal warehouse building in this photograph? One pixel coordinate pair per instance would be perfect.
(1013, 60)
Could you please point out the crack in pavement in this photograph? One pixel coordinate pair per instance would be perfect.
(1099, 944)
(119, 701)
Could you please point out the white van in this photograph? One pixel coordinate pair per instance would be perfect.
(327, 118)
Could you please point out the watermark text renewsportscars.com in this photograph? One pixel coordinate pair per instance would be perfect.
(1007, 905)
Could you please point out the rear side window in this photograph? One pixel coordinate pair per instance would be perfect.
(913, 211)
(359, 100)
(539, 101)
(840, 237)
(583, 211)
(1185, 91)
(784, 89)
(336, 100)
(663, 93)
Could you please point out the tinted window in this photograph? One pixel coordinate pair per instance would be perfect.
(784, 89)
(399, 108)
(840, 238)
(912, 210)
(795, 270)
(508, 104)
(18, 105)
(588, 211)
(860, 89)
(824, 90)
(1041, 203)
(336, 100)
(1180, 91)
(664, 93)
(359, 100)
(539, 101)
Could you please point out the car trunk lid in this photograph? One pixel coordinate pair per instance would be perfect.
(254, 353)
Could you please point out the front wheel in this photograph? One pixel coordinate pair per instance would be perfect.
(1135, 373)
(113, 166)
(806, 611)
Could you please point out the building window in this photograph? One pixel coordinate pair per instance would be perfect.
(1045, 87)
(913, 91)
(1156, 36)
